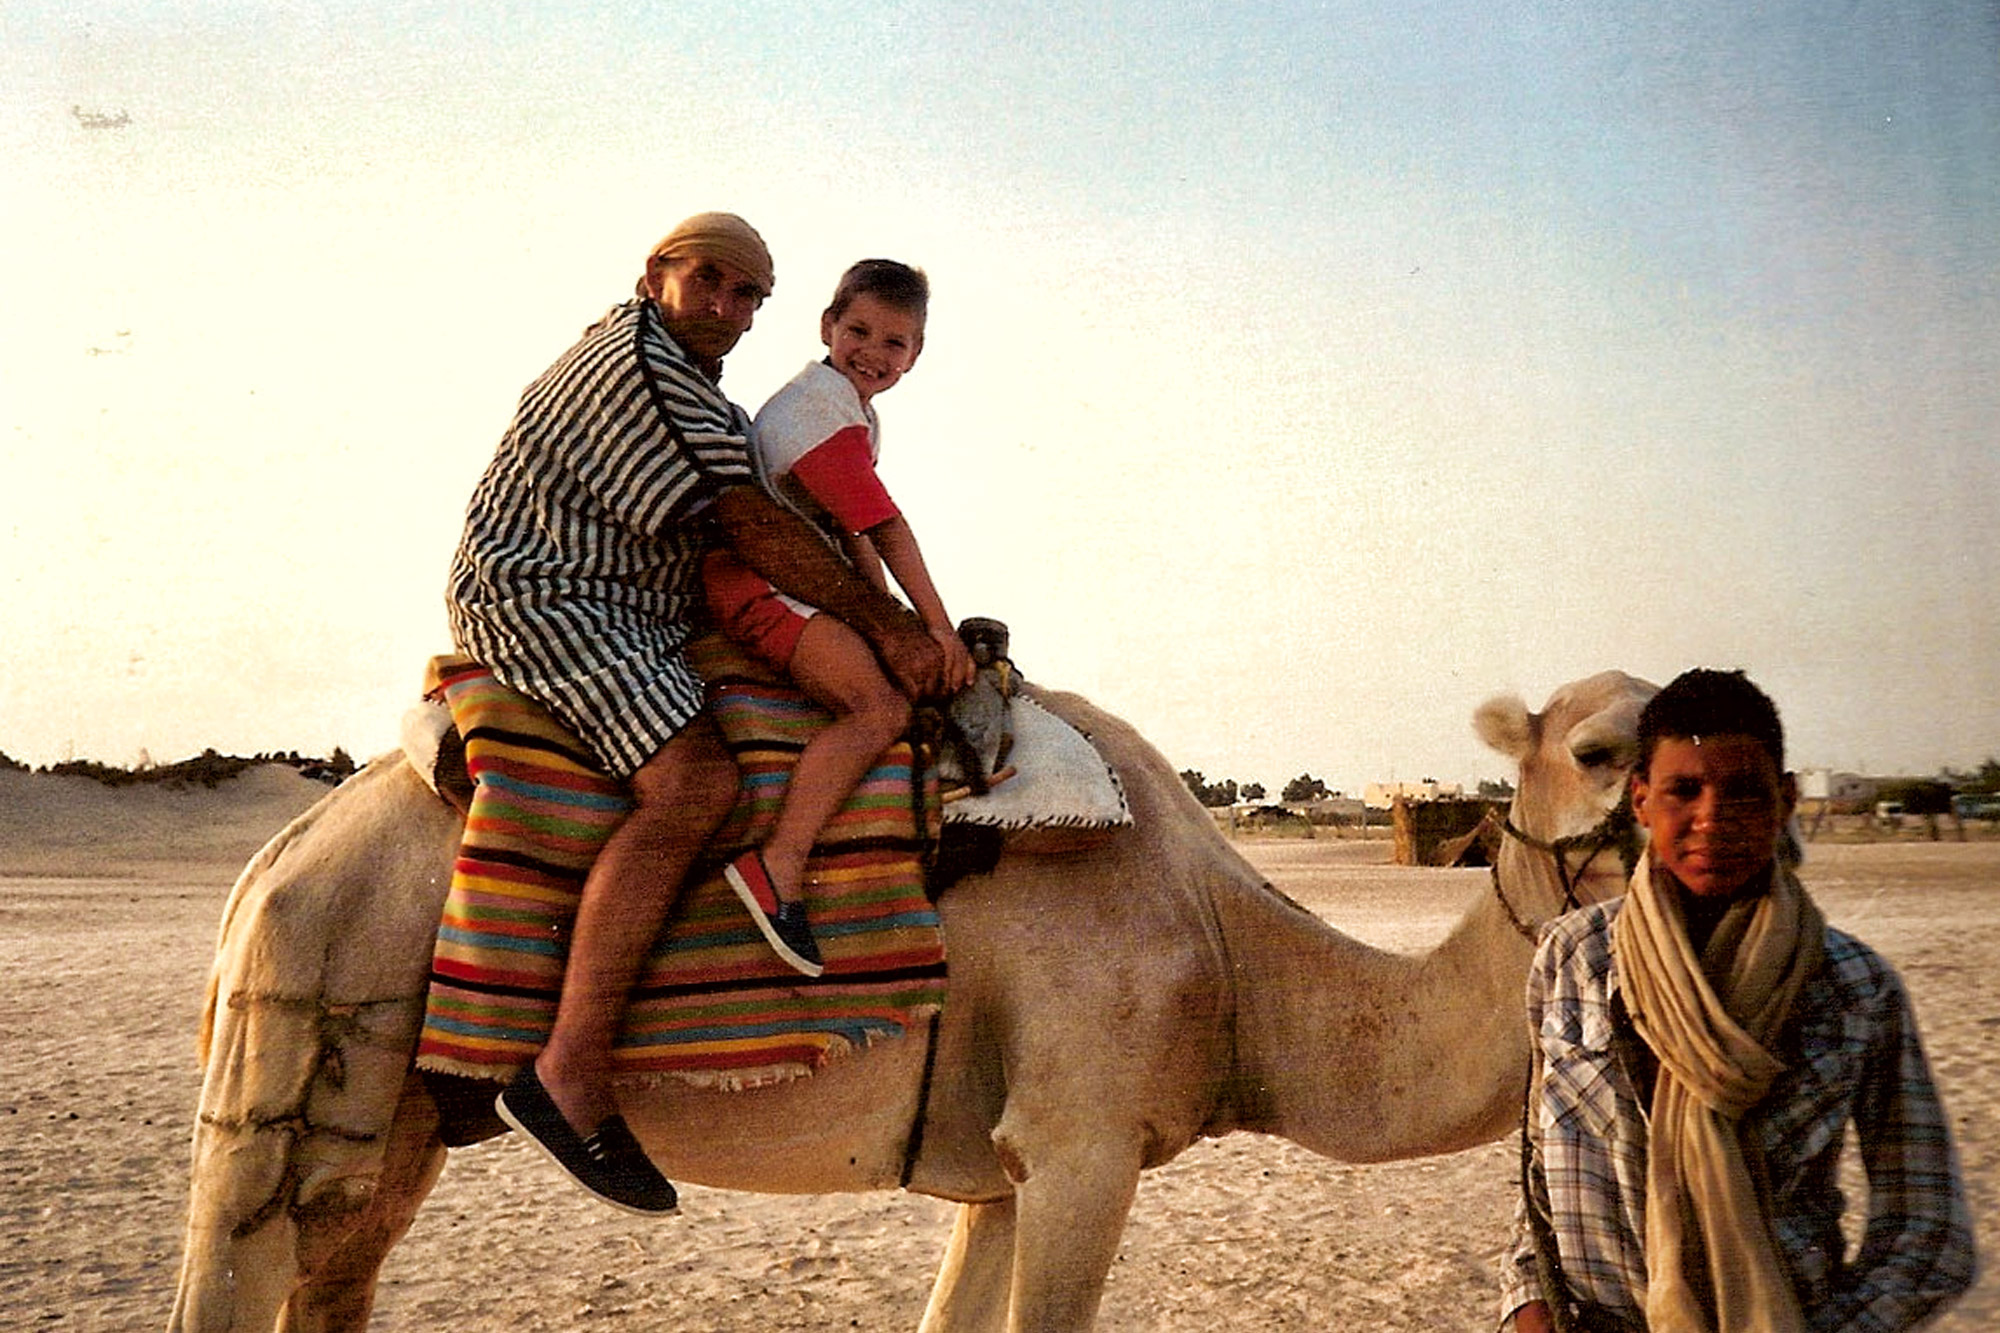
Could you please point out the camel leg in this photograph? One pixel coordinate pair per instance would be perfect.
(1036, 1262)
(260, 1258)
(342, 1252)
(1070, 1217)
(975, 1281)
(241, 1259)
(235, 1283)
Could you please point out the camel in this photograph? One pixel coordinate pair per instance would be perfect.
(1109, 1006)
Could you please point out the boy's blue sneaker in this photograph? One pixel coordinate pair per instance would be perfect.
(785, 925)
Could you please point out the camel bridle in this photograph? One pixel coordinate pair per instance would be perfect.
(1618, 829)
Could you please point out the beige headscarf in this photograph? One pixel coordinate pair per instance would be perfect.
(722, 236)
(1712, 1020)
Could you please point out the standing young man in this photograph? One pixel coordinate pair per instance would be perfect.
(1701, 1046)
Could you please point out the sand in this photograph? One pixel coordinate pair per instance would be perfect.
(109, 901)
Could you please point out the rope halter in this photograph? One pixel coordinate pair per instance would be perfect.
(1618, 829)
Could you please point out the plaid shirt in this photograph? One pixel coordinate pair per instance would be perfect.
(1852, 1054)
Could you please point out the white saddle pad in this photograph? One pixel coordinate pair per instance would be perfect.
(1060, 780)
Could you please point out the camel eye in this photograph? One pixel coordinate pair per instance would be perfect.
(1597, 756)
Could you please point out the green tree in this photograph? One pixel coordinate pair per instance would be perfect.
(1211, 794)
(1304, 787)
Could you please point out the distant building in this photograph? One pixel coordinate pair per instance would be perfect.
(1382, 795)
(1329, 809)
(1823, 784)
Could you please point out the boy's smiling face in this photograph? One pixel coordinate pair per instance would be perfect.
(872, 343)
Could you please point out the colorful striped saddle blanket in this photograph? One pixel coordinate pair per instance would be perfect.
(714, 1005)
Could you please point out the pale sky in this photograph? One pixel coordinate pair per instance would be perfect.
(1298, 376)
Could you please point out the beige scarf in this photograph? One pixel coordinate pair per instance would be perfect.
(1711, 1020)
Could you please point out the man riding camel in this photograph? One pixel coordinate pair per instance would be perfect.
(577, 583)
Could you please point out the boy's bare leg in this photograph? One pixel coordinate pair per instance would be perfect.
(837, 669)
(681, 794)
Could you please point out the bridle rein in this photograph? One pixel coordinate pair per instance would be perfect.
(1618, 829)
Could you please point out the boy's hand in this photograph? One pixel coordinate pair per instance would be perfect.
(958, 664)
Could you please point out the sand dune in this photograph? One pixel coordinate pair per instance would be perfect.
(108, 915)
(77, 826)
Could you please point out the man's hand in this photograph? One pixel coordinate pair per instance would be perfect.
(916, 660)
(958, 663)
(780, 546)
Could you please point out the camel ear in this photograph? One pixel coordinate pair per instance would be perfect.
(1504, 723)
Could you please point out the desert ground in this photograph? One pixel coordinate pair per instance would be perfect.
(109, 900)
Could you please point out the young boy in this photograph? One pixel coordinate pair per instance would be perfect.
(817, 441)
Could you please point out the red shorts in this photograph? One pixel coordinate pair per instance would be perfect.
(751, 612)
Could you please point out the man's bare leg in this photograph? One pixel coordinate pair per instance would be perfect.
(837, 669)
(681, 795)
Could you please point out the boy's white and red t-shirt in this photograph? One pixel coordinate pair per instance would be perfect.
(816, 444)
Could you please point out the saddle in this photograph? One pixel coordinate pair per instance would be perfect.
(1002, 761)
(713, 1006)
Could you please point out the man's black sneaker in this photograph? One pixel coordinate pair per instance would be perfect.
(609, 1163)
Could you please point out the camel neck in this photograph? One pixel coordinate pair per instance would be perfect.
(1375, 1055)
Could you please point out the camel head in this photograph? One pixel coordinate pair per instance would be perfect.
(1575, 759)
